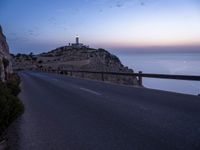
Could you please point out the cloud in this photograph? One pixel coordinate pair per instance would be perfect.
(121, 3)
(118, 3)
(18, 39)
(52, 19)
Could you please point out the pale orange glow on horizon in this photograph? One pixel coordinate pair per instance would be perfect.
(150, 43)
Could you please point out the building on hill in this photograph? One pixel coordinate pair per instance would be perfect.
(77, 44)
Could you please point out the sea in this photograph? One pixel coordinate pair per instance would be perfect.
(166, 63)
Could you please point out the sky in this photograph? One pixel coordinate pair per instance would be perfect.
(123, 26)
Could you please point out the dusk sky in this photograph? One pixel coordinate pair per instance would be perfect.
(121, 25)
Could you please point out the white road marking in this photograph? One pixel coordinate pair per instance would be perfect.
(81, 88)
(91, 91)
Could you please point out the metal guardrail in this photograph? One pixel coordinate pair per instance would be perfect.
(140, 75)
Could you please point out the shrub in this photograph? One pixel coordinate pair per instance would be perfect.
(40, 61)
(10, 106)
(34, 58)
(13, 84)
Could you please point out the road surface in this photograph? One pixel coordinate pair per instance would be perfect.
(65, 113)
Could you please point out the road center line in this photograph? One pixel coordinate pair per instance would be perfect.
(90, 91)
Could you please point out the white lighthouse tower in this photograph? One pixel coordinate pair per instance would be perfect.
(77, 40)
(77, 44)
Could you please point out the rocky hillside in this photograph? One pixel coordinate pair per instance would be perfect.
(5, 58)
(70, 58)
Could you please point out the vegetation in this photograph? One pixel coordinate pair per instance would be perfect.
(40, 61)
(27, 57)
(10, 106)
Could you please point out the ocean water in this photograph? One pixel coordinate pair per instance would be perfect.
(166, 63)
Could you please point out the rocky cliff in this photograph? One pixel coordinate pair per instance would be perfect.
(70, 58)
(5, 58)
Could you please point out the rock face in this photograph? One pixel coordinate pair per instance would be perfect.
(82, 59)
(5, 58)
(70, 58)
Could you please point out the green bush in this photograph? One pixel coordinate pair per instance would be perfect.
(10, 105)
(13, 84)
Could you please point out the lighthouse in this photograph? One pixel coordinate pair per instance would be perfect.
(77, 40)
(77, 44)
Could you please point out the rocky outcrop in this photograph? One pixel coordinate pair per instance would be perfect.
(70, 58)
(5, 58)
(82, 59)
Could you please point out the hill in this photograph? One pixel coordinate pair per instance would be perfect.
(76, 58)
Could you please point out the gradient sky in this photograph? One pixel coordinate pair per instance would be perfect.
(121, 25)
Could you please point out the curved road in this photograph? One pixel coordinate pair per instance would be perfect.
(64, 113)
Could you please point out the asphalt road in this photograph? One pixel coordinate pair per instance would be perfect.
(64, 113)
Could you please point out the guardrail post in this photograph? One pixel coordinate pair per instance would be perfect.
(140, 78)
(102, 76)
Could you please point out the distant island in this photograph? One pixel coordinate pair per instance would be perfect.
(76, 56)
